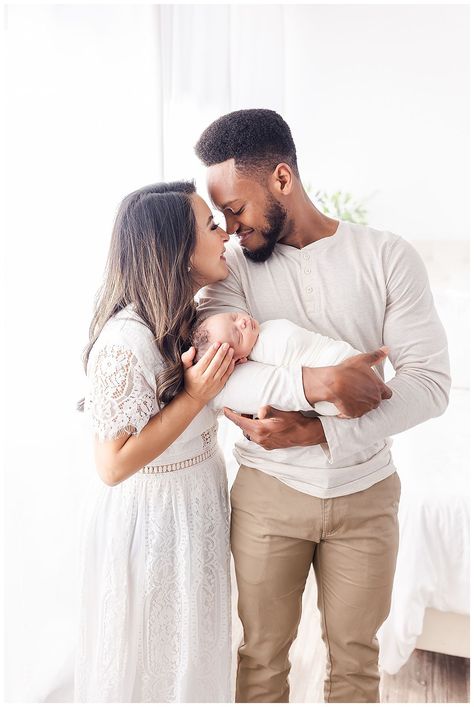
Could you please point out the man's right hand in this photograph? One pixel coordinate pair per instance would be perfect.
(352, 385)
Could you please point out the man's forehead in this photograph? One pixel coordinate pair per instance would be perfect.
(224, 183)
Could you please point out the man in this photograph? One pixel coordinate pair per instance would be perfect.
(316, 491)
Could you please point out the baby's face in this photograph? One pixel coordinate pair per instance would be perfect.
(237, 329)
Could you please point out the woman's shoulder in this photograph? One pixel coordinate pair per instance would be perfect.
(126, 331)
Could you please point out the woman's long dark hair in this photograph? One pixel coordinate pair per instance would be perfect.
(153, 239)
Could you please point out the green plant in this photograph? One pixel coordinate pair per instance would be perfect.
(340, 204)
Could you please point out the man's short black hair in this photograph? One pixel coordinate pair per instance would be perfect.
(257, 138)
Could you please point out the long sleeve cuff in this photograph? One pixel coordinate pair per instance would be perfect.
(412, 402)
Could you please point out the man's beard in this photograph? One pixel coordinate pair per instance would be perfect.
(276, 218)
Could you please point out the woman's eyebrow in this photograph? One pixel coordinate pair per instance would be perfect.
(211, 218)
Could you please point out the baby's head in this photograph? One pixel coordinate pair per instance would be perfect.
(236, 328)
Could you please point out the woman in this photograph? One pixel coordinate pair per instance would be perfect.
(155, 591)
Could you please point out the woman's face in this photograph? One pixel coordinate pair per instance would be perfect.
(207, 262)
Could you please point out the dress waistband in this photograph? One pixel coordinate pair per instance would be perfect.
(165, 468)
(209, 439)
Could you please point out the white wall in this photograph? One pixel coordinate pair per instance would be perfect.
(377, 97)
(378, 100)
(83, 129)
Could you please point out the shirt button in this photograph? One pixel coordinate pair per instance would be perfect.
(306, 256)
(307, 271)
(309, 290)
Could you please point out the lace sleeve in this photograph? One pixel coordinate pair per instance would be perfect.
(121, 397)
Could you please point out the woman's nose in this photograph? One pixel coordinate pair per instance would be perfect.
(224, 235)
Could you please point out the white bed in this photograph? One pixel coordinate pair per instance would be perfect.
(430, 600)
(433, 561)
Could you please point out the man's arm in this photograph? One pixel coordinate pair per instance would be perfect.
(353, 386)
(223, 296)
(418, 352)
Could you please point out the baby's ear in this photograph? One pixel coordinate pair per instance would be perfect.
(243, 359)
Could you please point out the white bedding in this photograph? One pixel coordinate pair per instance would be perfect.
(433, 560)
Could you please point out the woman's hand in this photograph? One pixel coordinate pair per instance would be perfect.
(205, 379)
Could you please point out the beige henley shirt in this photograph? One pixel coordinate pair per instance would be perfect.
(364, 286)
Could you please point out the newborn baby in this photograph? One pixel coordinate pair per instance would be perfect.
(277, 342)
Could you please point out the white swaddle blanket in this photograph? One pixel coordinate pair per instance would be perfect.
(283, 343)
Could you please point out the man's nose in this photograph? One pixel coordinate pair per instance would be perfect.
(230, 224)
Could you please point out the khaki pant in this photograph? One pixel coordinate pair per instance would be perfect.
(352, 543)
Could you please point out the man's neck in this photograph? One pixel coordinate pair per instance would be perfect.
(307, 224)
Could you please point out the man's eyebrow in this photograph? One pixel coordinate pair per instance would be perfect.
(222, 207)
(226, 205)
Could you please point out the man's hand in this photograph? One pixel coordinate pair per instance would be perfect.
(353, 386)
(275, 429)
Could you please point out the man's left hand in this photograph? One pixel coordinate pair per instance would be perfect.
(275, 429)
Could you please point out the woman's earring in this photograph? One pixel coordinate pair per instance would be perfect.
(189, 268)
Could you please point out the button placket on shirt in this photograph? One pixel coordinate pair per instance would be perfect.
(307, 278)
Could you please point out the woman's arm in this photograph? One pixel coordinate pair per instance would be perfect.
(119, 458)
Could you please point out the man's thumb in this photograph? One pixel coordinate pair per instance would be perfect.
(378, 355)
(265, 412)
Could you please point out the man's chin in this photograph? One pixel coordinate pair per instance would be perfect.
(259, 255)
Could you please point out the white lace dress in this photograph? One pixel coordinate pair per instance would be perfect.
(154, 579)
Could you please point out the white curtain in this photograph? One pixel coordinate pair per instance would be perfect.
(83, 128)
(376, 96)
(215, 59)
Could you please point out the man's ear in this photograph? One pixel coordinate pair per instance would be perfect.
(282, 179)
(242, 359)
